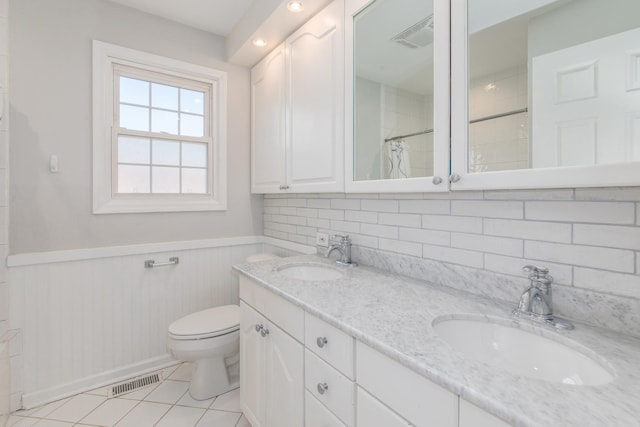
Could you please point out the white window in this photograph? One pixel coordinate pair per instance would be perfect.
(159, 133)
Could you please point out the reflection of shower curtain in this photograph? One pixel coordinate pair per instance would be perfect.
(398, 159)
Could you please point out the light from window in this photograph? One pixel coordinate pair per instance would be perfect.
(162, 162)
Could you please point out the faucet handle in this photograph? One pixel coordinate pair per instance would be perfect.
(535, 270)
(343, 238)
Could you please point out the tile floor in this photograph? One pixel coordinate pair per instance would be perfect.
(167, 404)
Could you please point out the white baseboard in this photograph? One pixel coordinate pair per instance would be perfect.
(33, 400)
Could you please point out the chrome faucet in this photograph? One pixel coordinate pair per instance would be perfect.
(342, 245)
(536, 303)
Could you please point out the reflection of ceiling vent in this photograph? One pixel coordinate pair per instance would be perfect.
(418, 35)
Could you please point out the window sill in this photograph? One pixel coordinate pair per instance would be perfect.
(143, 204)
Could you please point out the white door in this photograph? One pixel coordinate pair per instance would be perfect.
(284, 380)
(315, 128)
(372, 413)
(586, 103)
(268, 123)
(252, 366)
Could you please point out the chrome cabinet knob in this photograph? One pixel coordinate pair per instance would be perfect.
(264, 332)
(454, 177)
(321, 341)
(259, 328)
(322, 388)
(436, 180)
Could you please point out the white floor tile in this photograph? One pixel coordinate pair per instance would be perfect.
(76, 408)
(42, 411)
(169, 370)
(15, 421)
(146, 414)
(110, 412)
(52, 423)
(168, 392)
(182, 373)
(244, 422)
(228, 402)
(187, 400)
(181, 416)
(218, 419)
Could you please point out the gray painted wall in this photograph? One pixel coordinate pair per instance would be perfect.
(50, 80)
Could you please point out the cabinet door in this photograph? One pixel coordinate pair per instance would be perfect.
(252, 372)
(268, 123)
(284, 380)
(315, 128)
(472, 416)
(317, 415)
(372, 413)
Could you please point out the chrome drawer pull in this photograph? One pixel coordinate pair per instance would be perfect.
(322, 388)
(321, 341)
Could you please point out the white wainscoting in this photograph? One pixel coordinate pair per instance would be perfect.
(92, 317)
(5, 381)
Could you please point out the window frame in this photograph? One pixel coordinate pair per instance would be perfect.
(106, 200)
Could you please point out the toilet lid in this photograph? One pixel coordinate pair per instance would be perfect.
(207, 323)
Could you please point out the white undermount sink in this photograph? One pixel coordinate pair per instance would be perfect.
(310, 271)
(524, 353)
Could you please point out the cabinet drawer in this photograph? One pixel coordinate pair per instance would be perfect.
(339, 394)
(472, 416)
(420, 401)
(331, 344)
(317, 415)
(372, 413)
(286, 315)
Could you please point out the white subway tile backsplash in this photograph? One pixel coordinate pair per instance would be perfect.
(333, 214)
(319, 203)
(346, 226)
(288, 210)
(606, 281)
(530, 230)
(298, 203)
(488, 209)
(452, 223)
(481, 243)
(297, 220)
(594, 212)
(586, 256)
(433, 237)
(406, 220)
(306, 231)
(319, 223)
(308, 212)
(437, 207)
(453, 255)
(562, 194)
(631, 194)
(380, 205)
(364, 240)
(611, 236)
(399, 246)
(361, 216)
(376, 230)
(351, 204)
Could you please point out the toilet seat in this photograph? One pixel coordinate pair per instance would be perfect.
(209, 323)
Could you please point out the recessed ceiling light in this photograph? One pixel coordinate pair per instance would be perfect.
(295, 6)
(259, 42)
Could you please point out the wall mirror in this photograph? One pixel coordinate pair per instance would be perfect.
(397, 69)
(545, 93)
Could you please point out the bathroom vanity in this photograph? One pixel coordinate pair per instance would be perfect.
(358, 347)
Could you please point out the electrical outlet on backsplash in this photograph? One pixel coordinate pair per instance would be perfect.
(478, 241)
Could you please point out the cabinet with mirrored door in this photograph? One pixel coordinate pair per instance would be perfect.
(489, 94)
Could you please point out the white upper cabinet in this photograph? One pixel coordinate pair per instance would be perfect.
(545, 94)
(298, 110)
(268, 123)
(397, 104)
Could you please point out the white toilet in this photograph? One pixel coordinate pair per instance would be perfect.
(210, 339)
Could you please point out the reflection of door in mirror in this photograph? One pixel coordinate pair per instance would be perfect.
(553, 83)
(393, 90)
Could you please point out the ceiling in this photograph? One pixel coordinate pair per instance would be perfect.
(214, 16)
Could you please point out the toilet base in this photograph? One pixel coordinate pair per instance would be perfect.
(203, 371)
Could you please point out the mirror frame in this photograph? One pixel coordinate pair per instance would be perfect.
(441, 119)
(603, 175)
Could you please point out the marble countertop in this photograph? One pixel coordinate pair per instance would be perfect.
(394, 315)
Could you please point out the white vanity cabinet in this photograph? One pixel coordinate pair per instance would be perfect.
(271, 359)
(297, 104)
(472, 416)
(411, 396)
